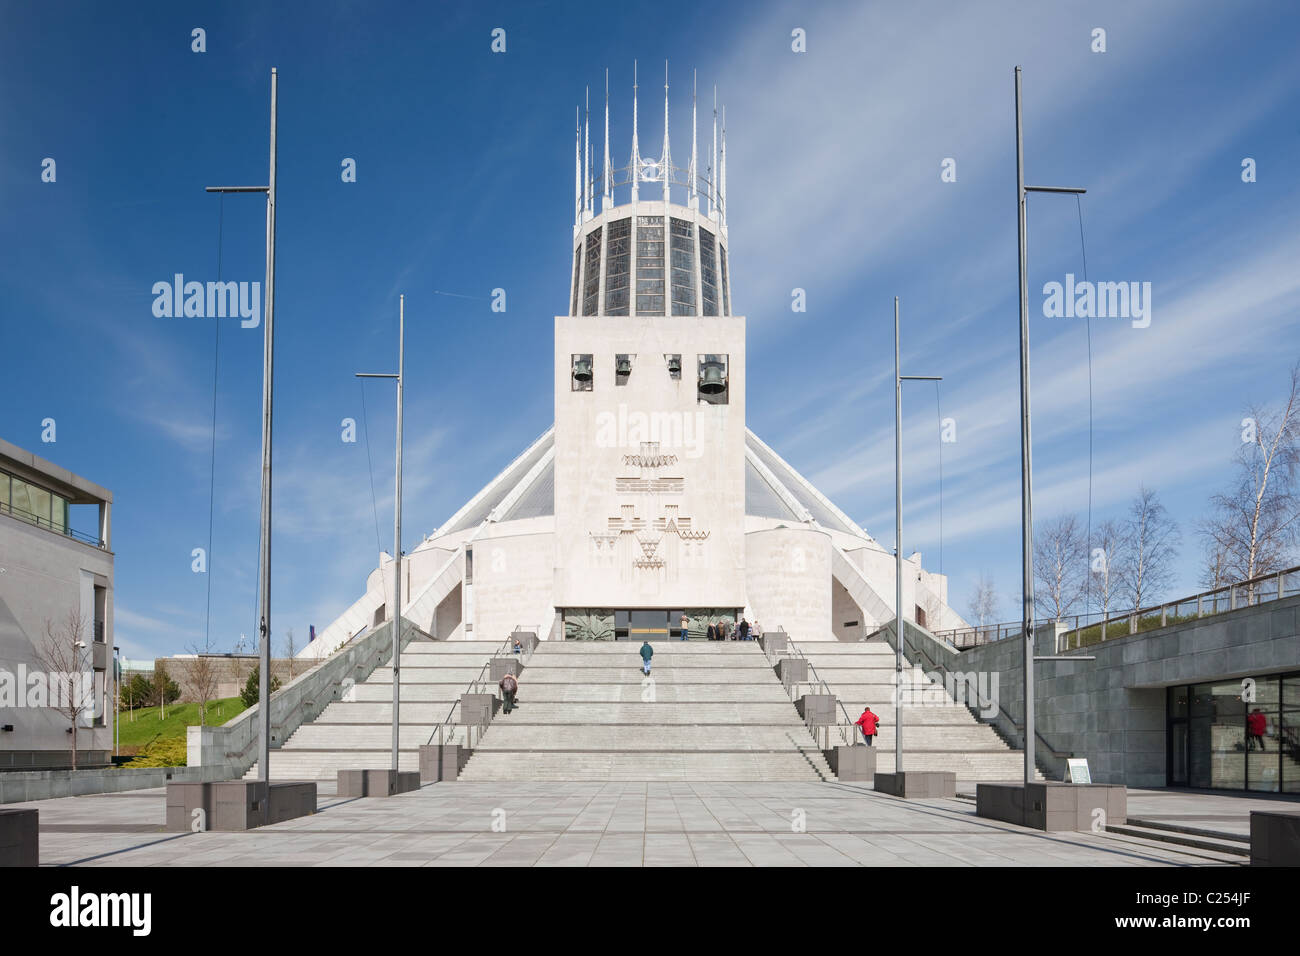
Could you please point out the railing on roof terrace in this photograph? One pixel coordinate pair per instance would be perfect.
(44, 521)
(1083, 630)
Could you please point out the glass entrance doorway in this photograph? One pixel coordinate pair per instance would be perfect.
(647, 625)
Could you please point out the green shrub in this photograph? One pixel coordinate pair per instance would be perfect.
(252, 691)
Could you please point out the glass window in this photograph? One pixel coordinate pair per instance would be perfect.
(59, 513)
(618, 263)
(577, 275)
(650, 265)
(708, 272)
(726, 295)
(591, 282)
(4, 492)
(1263, 736)
(40, 499)
(30, 502)
(683, 246)
(1217, 736)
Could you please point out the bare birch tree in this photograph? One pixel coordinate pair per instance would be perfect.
(60, 654)
(1254, 524)
(201, 681)
(1108, 555)
(1151, 539)
(983, 603)
(289, 650)
(1060, 563)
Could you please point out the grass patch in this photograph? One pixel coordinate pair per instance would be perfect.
(1092, 635)
(161, 742)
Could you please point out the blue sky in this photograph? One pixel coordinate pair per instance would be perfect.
(464, 161)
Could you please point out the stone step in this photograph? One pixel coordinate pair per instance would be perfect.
(316, 765)
(414, 693)
(535, 711)
(631, 674)
(631, 647)
(426, 674)
(780, 766)
(505, 734)
(318, 736)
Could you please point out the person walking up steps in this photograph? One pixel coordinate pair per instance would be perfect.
(868, 722)
(509, 687)
(647, 652)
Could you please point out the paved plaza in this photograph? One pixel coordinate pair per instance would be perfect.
(631, 824)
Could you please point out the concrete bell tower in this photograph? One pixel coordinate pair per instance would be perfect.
(649, 389)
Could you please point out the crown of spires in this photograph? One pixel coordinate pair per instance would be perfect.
(666, 159)
(713, 187)
(607, 193)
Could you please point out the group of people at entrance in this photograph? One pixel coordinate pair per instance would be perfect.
(726, 631)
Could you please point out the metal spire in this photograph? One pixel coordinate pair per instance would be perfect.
(577, 166)
(694, 200)
(713, 166)
(607, 199)
(586, 156)
(636, 150)
(722, 173)
(666, 162)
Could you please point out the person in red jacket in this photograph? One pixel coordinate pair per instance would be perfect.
(1256, 727)
(868, 722)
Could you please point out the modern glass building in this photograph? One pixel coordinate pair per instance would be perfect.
(1241, 734)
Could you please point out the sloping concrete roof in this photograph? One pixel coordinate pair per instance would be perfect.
(773, 489)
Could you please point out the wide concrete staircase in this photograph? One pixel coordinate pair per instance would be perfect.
(938, 733)
(356, 733)
(714, 712)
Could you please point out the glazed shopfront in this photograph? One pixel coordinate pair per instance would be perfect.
(1241, 734)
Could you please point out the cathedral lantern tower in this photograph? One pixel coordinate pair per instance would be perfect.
(649, 391)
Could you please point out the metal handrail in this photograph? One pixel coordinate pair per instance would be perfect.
(477, 686)
(1247, 593)
(32, 518)
(849, 739)
(937, 665)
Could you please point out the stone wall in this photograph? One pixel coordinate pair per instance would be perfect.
(233, 747)
(1112, 710)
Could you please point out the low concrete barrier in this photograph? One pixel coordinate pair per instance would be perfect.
(25, 785)
(527, 640)
(377, 783)
(816, 709)
(501, 666)
(442, 762)
(1274, 838)
(792, 670)
(20, 843)
(478, 709)
(234, 805)
(855, 764)
(913, 784)
(1054, 807)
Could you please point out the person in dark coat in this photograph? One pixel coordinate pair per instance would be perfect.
(647, 652)
(509, 685)
(712, 633)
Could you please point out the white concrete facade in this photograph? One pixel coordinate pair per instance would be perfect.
(648, 493)
(53, 582)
